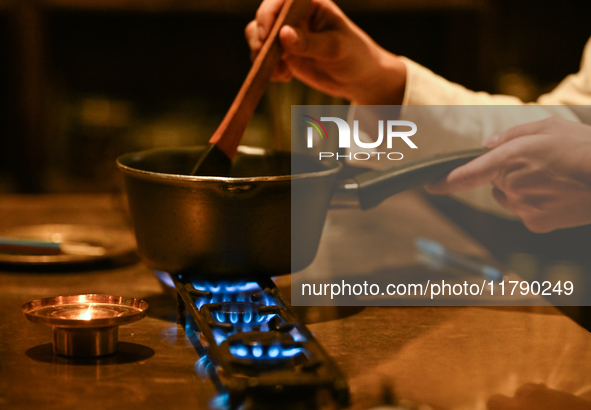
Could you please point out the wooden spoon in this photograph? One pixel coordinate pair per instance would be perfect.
(217, 158)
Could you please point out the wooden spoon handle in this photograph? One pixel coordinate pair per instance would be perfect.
(230, 131)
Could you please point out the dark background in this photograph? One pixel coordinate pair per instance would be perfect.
(189, 57)
(82, 81)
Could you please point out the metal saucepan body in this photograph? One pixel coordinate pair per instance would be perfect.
(223, 226)
(244, 225)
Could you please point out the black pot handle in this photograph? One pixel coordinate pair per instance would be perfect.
(375, 186)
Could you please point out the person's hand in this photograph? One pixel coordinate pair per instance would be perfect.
(327, 51)
(538, 397)
(541, 171)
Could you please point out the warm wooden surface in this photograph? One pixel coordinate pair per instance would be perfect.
(451, 358)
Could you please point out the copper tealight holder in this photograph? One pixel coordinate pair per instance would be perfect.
(85, 325)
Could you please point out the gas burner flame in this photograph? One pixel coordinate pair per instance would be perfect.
(165, 278)
(219, 336)
(271, 348)
(230, 291)
(226, 287)
(241, 314)
(220, 402)
(234, 317)
(260, 352)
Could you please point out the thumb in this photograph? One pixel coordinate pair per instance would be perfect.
(308, 44)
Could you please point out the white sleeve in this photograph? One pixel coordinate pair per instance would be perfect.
(423, 87)
(575, 89)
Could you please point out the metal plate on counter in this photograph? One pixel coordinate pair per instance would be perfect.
(83, 244)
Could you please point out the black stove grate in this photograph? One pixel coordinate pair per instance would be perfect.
(255, 340)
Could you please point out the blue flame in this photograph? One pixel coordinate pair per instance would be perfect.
(233, 317)
(240, 351)
(274, 352)
(247, 317)
(257, 351)
(291, 352)
(242, 315)
(219, 336)
(297, 335)
(230, 291)
(214, 288)
(220, 402)
(165, 278)
(224, 286)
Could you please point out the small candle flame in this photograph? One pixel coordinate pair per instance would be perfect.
(88, 314)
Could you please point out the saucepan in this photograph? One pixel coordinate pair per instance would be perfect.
(264, 218)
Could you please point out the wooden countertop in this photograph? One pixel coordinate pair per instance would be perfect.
(449, 358)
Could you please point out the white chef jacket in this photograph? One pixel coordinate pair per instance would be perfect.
(423, 87)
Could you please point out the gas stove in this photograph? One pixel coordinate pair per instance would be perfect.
(254, 347)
